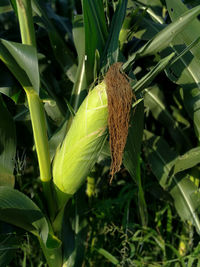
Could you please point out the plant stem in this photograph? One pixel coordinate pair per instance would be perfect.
(57, 224)
(40, 134)
(26, 22)
(36, 108)
(53, 256)
(49, 193)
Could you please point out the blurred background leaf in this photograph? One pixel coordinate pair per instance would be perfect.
(7, 146)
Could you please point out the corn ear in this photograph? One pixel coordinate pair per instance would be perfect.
(82, 144)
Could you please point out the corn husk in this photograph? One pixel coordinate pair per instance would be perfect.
(82, 144)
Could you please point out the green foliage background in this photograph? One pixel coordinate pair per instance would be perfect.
(149, 215)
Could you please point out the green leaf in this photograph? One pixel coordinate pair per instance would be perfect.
(95, 32)
(79, 36)
(133, 146)
(154, 100)
(26, 58)
(147, 28)
(80, 82)
(57, 139)
(111, 52)
(5, 6)
(190, 32)
(107, 255)
(165, 37)
(185, 71)
(184, 192)
(13, 66)
(154, 8)
(132, 156)
(19, 210)
(161, 161)
(140, 85)
(190, 159)
(187, 200)
(75, 231)
(7, 147)
(9, 243)
(61, 51)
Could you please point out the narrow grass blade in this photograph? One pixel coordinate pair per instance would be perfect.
(108, 256)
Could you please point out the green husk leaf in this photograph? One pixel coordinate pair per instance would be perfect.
(82, 145)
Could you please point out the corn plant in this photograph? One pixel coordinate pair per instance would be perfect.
(81, 79)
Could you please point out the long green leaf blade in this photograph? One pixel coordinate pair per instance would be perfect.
(19, 210)
(184, 192)
(132, 155)
(111, 52)
(61, 51)
(26, 58)
(185, 71)
(165, 36)
(95, 23)
(154, 100)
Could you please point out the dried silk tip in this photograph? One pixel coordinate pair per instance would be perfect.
(120, 96)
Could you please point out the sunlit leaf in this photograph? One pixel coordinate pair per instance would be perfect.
(185, 71)
(184, 192)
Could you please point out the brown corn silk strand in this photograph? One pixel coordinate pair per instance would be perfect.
(120, 96)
